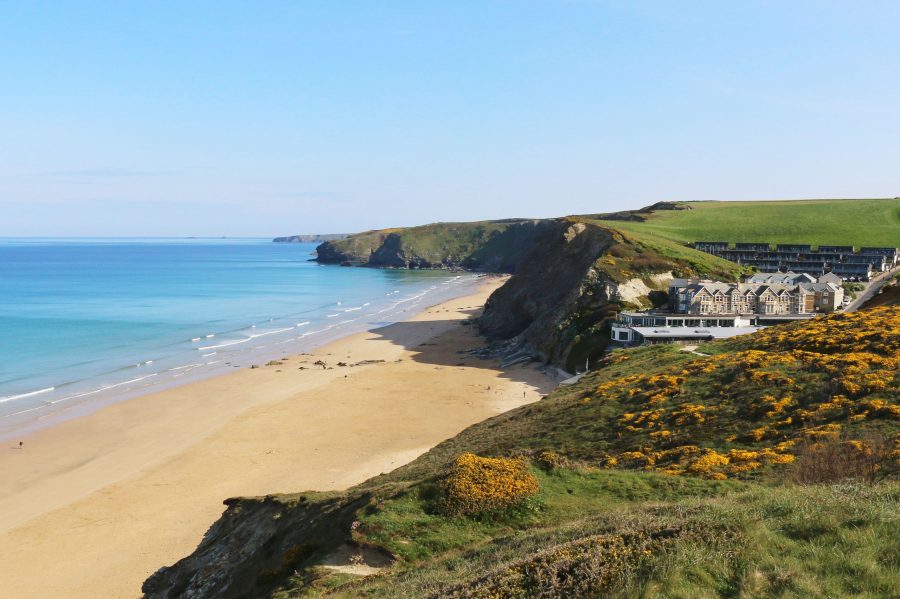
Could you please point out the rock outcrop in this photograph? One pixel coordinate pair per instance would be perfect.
(559, 304)
(556, 279)
(257, 544)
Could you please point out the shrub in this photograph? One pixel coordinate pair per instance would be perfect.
(550, 460)
(833, 460)
(476, 485)
(588, 567)
(650, 264)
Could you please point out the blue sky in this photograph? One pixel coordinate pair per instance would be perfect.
(266, 118)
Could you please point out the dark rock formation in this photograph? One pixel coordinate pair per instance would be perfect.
(392, 255)
(555, 281)
(255, 545)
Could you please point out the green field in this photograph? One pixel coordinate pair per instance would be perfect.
(828, 222)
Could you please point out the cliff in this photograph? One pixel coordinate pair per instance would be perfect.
(571, 275)
(256, 543)
(660, 469)
(491, 246)
(568, 287)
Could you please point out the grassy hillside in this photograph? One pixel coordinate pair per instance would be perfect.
(484, 245)
(433, 242)
(664, 228)
(614, 534)
(656, 467)
(665, 442)
(830, 222)
(663, 473)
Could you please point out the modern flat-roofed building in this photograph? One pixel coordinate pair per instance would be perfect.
(636, 328)
(838, 259)
(891, 254)
(845, 270)
(836, 249)
(753, 247)
(711, 247)
(793, 248)
(864, 258)
(820, 256)
(880, 262)
(814, 268)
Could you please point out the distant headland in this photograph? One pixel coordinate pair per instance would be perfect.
(310, 238)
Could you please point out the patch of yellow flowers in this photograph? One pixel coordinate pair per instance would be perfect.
(477, 484)
(782, 386)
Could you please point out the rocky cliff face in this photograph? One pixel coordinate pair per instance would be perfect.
(567, 289)
(256, 544)
(554, 280)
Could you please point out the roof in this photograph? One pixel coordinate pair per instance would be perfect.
(820, 286)
(693, 333)
(784, 278)
(759, 288)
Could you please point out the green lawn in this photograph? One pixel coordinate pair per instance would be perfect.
(829, 222)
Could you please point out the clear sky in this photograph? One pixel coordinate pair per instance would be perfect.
(266, 118)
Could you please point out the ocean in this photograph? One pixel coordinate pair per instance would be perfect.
(87, 322)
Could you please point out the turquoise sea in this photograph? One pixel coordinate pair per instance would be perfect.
(86, 322)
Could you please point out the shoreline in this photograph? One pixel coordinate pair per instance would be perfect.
(86, 398)
(131, 488)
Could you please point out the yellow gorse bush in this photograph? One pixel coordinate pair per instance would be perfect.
(750, 407)
(476, 484)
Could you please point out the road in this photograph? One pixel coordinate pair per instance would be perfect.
(874, 287)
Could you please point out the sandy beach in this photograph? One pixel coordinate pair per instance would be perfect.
(91, 507)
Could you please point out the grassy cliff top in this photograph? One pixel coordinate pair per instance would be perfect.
(664, 229)
(869, 222)
(654, 467)
(664, 473)
(769, 393)
(760, 466)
